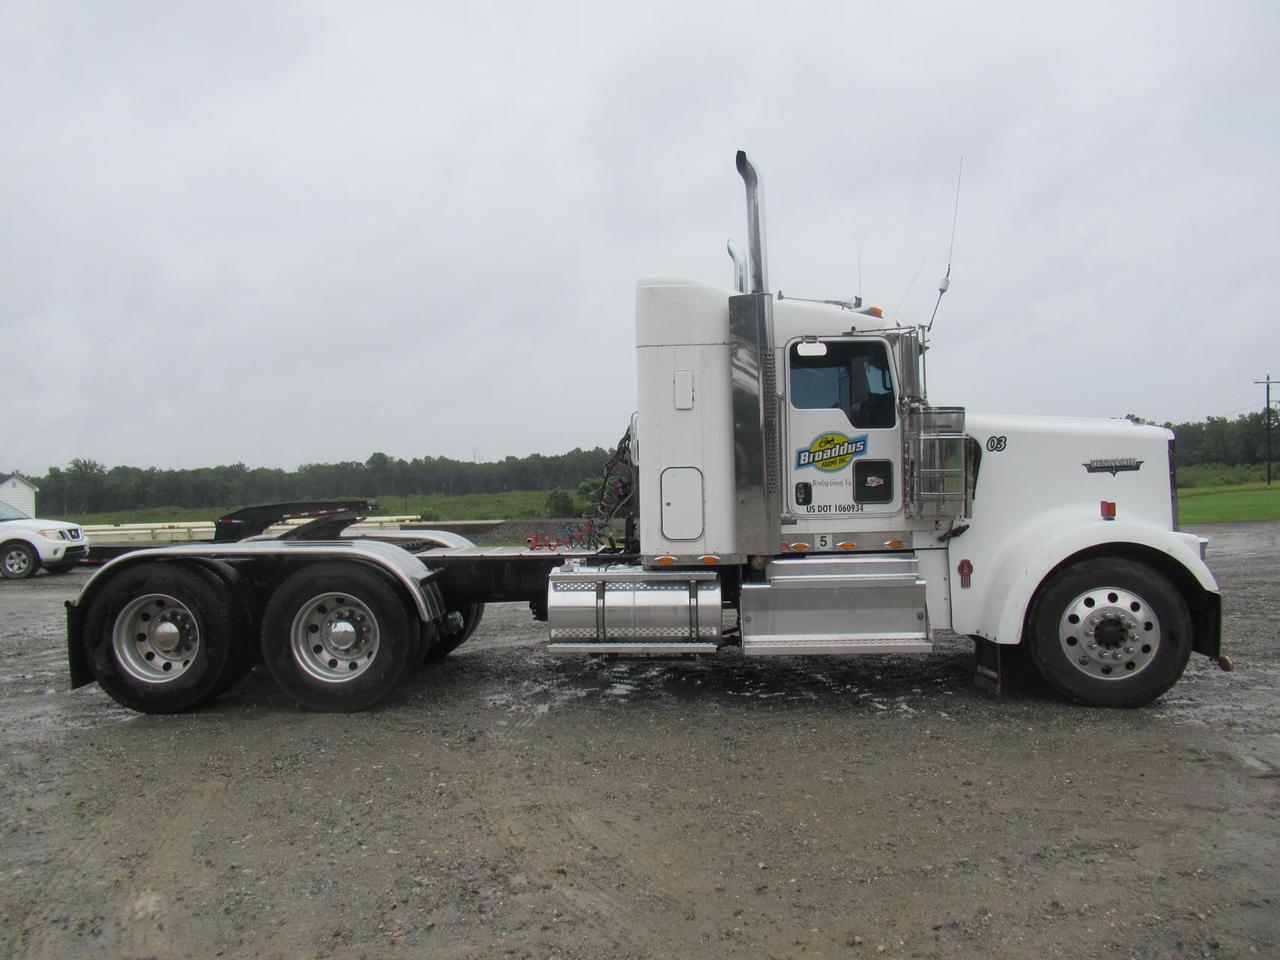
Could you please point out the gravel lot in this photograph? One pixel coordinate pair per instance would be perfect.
(511, 803)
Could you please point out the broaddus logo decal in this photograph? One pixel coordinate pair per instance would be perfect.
(831, 452)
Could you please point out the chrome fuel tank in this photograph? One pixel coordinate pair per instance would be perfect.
(626, 608)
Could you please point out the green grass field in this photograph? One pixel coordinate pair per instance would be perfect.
(1251, 501)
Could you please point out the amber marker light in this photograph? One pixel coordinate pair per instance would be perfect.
(666, 559)
(847, 545)
(708, 558)
(875, 311)
(894, 544)
(799, 547)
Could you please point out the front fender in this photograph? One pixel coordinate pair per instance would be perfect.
(1006, 578)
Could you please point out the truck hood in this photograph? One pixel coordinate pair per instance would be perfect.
(1029, 464)
(34, 524)
(1114, 427)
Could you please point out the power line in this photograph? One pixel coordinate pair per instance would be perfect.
(1266, 415)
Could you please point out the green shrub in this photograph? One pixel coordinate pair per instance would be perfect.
(560, 504)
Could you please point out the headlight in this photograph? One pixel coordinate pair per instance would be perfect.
(52, 534)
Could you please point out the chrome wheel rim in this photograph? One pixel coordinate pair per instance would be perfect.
(334, 637)
(17, 562)
(1109, 633)
(156, 638)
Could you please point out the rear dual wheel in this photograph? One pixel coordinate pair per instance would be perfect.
(444, 643)
(163, 637)
(337, 637)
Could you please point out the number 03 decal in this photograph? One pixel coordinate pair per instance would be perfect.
(996, 444)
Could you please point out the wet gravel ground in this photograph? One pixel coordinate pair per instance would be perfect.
(511, 803)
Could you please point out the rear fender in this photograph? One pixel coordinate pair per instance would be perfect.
(416, 582)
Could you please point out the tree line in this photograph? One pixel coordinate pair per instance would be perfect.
(1220, 441)
(86, 486)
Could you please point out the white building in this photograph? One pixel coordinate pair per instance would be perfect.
(18, 492)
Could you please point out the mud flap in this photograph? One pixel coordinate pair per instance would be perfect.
(77, 660)
(988, 670)
(1206, 618)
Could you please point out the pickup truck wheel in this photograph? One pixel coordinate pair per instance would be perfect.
(160, 636)
(18, 561)
(337, 637)
(1110, 632)
(445, 643)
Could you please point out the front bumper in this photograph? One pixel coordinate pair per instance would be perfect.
(73, 554)
(58, 552)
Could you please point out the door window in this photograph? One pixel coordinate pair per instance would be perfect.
(852, 376)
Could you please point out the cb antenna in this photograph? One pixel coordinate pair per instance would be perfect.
(945, 282)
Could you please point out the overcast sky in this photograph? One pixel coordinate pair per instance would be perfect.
(280, 233)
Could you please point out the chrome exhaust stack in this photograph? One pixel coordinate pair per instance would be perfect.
(739, 257)
(759, 280)
(754, 385)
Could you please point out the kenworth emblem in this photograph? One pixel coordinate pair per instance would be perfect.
(1113, 465)
(831, 451)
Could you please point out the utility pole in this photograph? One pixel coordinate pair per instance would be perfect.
(1266, 412)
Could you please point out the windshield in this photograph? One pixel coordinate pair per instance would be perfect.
(10, 513)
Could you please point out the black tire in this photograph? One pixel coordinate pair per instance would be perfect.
(244, 649)
(1130, 638)
(338, 637)
(126, 643)
(443, 644)
(60, 568)
(18, 561)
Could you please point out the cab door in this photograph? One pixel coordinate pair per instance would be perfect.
(844, 450)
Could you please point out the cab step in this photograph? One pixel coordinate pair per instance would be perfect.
(836, 605)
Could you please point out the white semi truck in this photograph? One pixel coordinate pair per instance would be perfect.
(788, 490)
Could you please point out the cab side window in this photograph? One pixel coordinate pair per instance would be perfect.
(849, 375)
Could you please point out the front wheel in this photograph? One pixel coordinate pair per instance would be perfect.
(1110, 632)
(18, 561)
(337, 637)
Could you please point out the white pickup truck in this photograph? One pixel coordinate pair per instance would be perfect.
(27, 544)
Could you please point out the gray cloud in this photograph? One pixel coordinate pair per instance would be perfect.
(281, 233)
